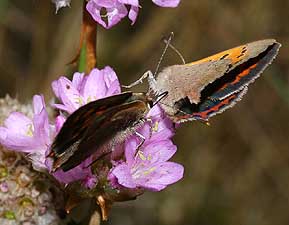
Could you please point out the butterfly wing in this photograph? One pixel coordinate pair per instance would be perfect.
(202, 89)
(95, 125)
(72, 131)
(107, 130)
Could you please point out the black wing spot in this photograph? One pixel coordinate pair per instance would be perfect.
(239, 56)
(224, 56)
(244, 50)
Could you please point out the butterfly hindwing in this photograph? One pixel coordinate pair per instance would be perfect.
(214, 81)
(78, 122)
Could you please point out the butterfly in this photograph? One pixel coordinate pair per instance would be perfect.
(193, 91)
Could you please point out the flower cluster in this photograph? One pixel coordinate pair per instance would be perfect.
(115, 10)
(145, 168)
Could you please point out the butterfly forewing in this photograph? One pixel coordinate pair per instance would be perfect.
(93, 127)
(108, 130)
(79, 121)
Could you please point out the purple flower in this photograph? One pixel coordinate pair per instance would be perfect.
(117, 9)
(83, 89)
(148, 166)
(32, 136)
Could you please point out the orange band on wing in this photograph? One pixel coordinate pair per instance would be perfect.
(234, 54)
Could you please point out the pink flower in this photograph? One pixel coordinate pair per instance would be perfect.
(83, 89)
(148, 166)
(117, 9)
(32, 136)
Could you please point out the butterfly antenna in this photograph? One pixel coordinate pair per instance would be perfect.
(164, 52)
(175, 50)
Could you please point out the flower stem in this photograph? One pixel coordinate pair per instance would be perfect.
(86, 56)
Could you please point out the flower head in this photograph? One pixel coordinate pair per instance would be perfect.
(147, 166)
(117, 9)
(83, 89)
(32, 136)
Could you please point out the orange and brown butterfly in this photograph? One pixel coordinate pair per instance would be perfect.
(204, 88)
(193, 91)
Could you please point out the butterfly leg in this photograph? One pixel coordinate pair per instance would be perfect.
(147, 75)
(142, 140)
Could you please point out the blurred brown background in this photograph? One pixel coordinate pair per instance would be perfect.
(237, 170)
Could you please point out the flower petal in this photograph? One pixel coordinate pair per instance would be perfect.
(67, 94)
(161, 176)
(16, 141)
(167, 3)
(77, 80)
(130, 149)
(123, 175)
(94, 87)
(59, 121)
(133, 13)
(81, 172)
(38, 103)
(157, 152)
(40, 122)
(130, 2)
(111, 81)
(18, 123)
(100, 84)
